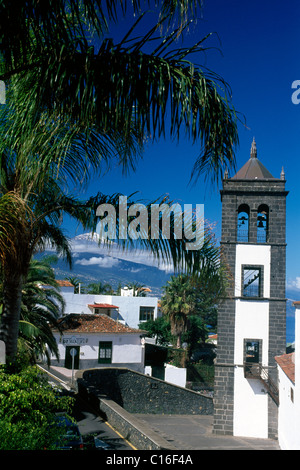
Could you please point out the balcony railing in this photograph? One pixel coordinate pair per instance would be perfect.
(257, 371)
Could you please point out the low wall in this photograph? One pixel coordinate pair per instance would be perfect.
(117, 393)
(139, 393)
(138, 434)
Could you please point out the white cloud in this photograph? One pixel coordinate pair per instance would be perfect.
(293, 284)
(167, 267)
(102, 261)
(135, 270)
(85, 243)
(112, 253)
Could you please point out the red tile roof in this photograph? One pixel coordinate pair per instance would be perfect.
(102, 306)
(88, 323)
(214, 336)
(63, 283)
(287, 364)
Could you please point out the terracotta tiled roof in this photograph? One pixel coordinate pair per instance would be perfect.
(102, 306)
(64, 283)
(287, 364)
(75, 323)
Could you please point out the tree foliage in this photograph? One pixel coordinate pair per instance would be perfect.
(27, 407)
(65, 60)
(158, 329)
(191, 300)
(98, 288)
(79, 102)
(42, 305)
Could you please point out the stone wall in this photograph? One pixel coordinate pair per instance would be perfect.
(118, 393)
(139, 393)
(138, 433)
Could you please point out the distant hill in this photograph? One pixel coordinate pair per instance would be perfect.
(94, 263)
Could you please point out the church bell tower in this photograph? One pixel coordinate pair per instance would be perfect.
(252, 317)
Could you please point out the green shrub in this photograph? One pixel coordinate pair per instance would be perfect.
(27, 407)
(201, 373)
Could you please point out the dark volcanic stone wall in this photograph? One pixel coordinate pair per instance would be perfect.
(139, 393)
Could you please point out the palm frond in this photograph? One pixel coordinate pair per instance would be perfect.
(122, 88)
(40, 24)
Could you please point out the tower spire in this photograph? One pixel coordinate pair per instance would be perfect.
(253, 152)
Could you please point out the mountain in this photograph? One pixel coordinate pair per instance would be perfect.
(93, 263)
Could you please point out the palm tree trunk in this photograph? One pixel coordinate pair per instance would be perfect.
(9, 326)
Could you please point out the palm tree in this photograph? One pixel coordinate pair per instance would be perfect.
(178, 303)
(99, 288)
(71, 110)
(42, 305)
(64, 63)
(198, 292)
(75, 282)
(139, 290)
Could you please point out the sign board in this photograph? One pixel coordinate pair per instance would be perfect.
(74, 340)
(73, 352)
(2, 352)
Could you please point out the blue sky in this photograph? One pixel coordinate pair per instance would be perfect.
(258, 56)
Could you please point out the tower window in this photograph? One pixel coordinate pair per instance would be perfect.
(252, 351)
(252, 357)
(252, 281)
(243, 223)
(262, 224)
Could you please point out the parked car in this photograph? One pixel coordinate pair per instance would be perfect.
(93, 442)
(203, 354)
(101, 445)
(70, 437)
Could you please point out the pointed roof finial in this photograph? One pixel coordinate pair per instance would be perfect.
(253, 152)
(282, 174)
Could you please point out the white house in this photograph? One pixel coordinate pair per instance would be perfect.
(65, 286)
(90, 341)
(129, 310)
(102, 330)
(289, 393)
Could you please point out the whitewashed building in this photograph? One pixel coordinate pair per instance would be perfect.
(289, 393)
(91, 341)
(129, 310)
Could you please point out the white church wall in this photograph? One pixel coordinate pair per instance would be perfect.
(251, 322)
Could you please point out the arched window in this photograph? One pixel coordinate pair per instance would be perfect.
(243, 223)
(262, 224)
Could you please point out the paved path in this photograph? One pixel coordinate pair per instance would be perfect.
(194, 432)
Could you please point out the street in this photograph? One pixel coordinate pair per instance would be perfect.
(91, 424)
